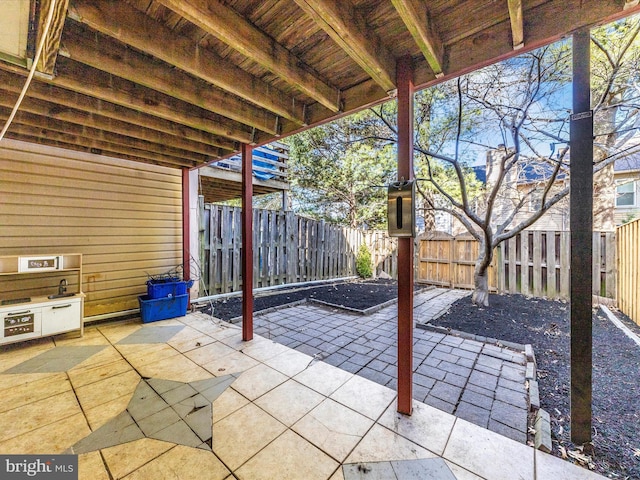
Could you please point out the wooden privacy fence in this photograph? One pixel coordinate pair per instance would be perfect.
(538, 263)
(286, 249)
(532, 263)
(450, 261)
(629, 269)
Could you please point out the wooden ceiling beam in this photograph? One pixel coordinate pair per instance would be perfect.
(349, 30)
(129, 25)
(517, 26)
(233, 29)
(81, 148)
(48, 137)
(47, 60)
(114, 118)
(416, 17)
(115, 58)
(27, 118)
(89, 81)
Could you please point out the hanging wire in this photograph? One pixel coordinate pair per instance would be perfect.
(32, 71)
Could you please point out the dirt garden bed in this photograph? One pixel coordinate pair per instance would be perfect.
(616, 373)
(357, 295)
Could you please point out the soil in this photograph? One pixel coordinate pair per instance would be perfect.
(616, 371)
(359, 295)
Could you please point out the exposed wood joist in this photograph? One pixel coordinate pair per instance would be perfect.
(517, 27)
(47, 60)
(92, 143)
(89, 81)
(233, 29)
(349, 30)
(481, 34)
(104, 115)
(130, 26)
(25, 117)
(39, 139)
(115, 58)
(415, 16)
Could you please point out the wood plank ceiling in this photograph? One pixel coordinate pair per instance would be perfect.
(182, 83)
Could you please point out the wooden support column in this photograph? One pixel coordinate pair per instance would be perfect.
(404, 73)
(247, 244)
(581, 226)
(186, 226)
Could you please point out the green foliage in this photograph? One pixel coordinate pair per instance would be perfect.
(336, 175)
(629, 217)
(363, 262)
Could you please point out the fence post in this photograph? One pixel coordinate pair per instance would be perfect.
(565, 263)
(551, 264)
(524, 262)
(610, 262)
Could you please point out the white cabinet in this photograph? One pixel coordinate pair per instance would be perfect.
(37, 316)
(61, 316)
(20, 323)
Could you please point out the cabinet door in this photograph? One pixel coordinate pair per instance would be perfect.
(18, 325)
(61, 317)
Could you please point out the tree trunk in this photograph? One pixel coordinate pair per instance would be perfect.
(480, 295)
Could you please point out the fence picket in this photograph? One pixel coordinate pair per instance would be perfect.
(628, 261)
(524, 263)
(551, 265)
(610, 265)
(565, 263)
(513, 287)
(595, 264)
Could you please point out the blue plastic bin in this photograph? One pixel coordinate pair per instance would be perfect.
(154, 309)
(167, 287)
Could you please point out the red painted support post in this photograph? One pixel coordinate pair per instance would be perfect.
(581, 226)
(186, 226)
(404, 69)
(247, 244)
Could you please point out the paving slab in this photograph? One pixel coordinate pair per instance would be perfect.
(482, 382)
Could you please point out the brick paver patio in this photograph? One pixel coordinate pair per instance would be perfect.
(480, 382)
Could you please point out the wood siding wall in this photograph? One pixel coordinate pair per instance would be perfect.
(286, 249)
(629, 269)
(125, 218)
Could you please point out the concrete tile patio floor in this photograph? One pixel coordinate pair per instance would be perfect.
(481, 383)
(276, 413)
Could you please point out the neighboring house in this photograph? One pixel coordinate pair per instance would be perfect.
(616, 194)
(627, 179)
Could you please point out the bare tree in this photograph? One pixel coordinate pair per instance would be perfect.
(517, 109)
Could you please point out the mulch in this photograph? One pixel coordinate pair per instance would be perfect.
(359, 295)
(616, 373)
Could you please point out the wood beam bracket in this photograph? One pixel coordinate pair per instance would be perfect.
(47, 60)
(417, 20)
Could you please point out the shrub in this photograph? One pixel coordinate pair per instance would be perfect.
(363, 262)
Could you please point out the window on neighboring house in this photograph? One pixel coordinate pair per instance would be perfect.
(535, 203)
(626, 194)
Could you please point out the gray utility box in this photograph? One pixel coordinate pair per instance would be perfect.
(401, 211)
